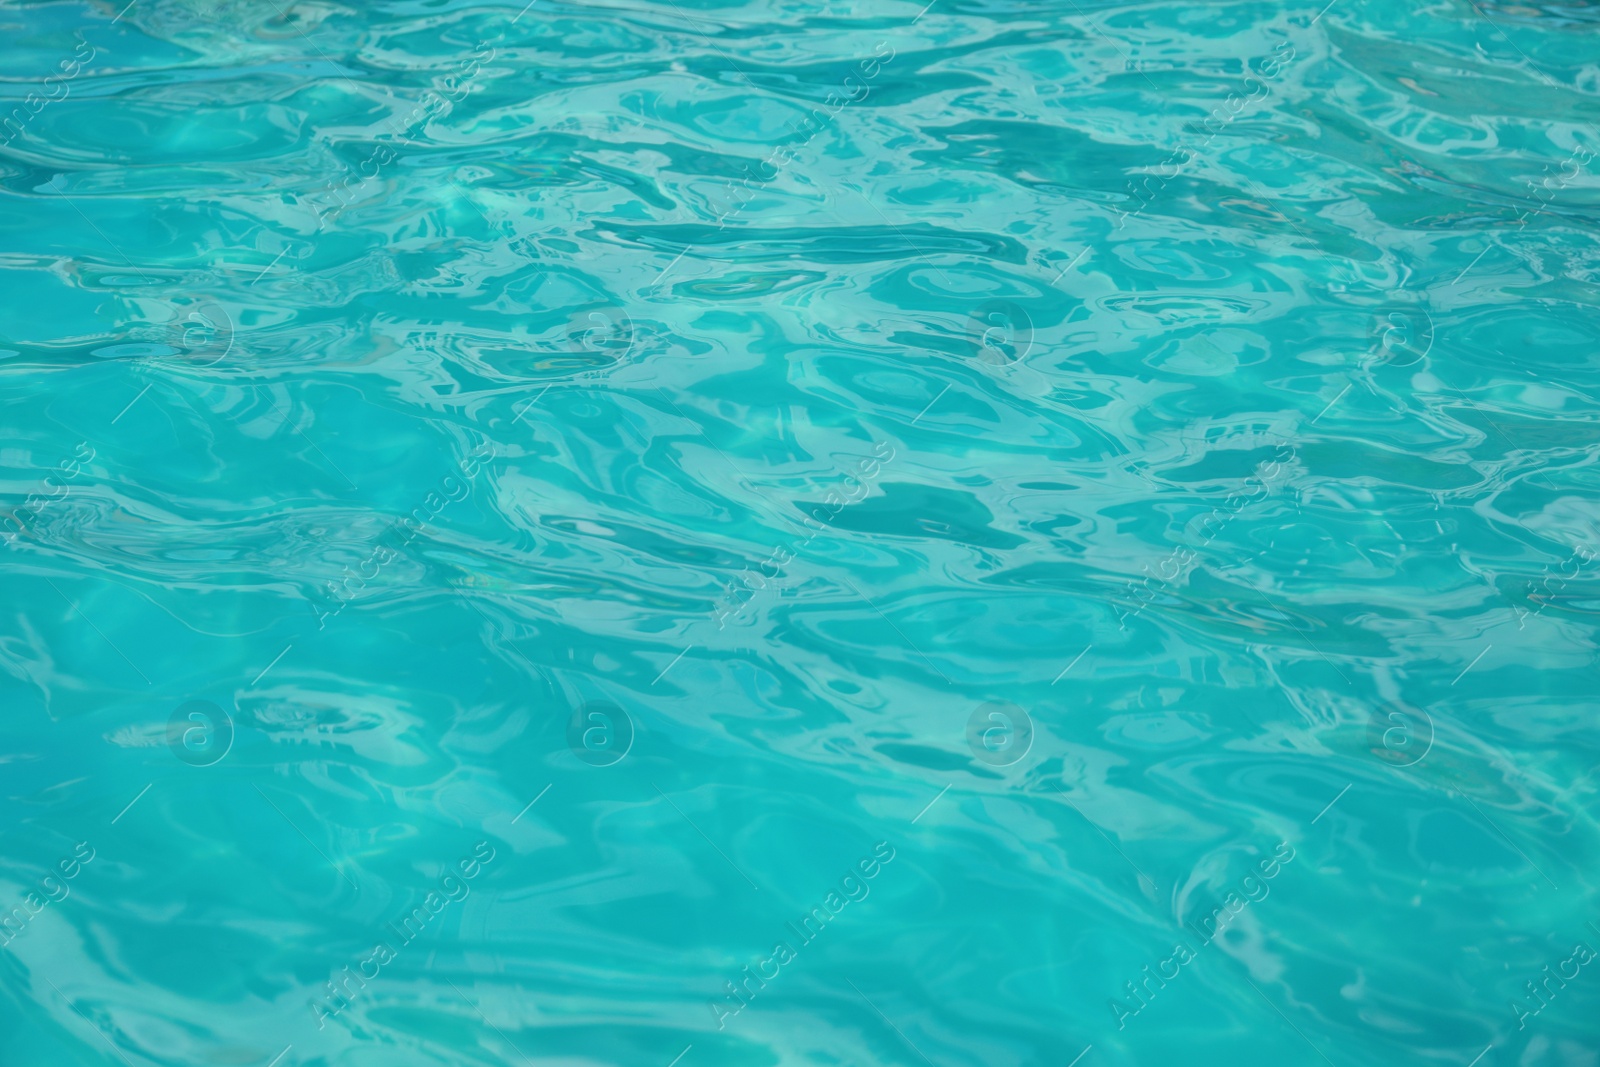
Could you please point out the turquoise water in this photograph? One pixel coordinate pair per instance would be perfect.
(999, 534)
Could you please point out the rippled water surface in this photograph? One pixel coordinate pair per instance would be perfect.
(1003, 533)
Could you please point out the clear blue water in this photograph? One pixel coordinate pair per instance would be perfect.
(1010, 533)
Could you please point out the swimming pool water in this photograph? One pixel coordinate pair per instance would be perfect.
(987, 534)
